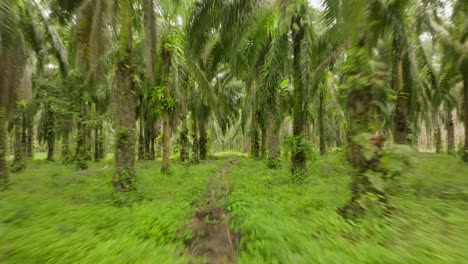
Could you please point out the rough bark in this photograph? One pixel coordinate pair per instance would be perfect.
(450, 126)
(124, 93)
(299, 168)
(3, 149)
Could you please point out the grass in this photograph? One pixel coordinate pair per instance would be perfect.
(54, 214)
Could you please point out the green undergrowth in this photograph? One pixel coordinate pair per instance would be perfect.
(282, 222)
(54, 214)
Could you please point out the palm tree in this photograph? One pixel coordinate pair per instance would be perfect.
(124, 92)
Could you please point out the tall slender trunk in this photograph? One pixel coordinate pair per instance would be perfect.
(3, 149)
(400, 134)
(166, 115)
(124, 179)
(450, 126)
(321, 124)
(299, 168)
(202, 139)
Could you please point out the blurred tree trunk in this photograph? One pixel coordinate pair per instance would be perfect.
(202, 139)
(29, 118)
(98, 142)
(400, 133)
(438, 139)
(195, 145)
(124, 179)
(184, 149)
(141, 129)
(65, 154)
(273, 145)
(321, 124)
(299, 167)
(166, 115)
(50, 134)
(19, 162)
(3, 148)
(263, 128)
(450, 126)
(463, 68)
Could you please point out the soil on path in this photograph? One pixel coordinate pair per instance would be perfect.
(213, 239)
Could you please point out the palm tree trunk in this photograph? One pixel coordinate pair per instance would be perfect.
(463, 68)
(80, 152)
(3, 149)
(50, 136)
(166, 116)
(450, 133)
(195, 146)
(254, 137)
(141, 137)
(401, 112)
(321, 125)
(98, 142)
(202, 139)
(65, 154)
(299, 167)
(19, 163)
(438, 139)
(30, 136)
(263, 127)
(184, 150)
(124, 179)
(273, 146)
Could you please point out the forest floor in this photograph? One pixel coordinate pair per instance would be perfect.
(232, 204)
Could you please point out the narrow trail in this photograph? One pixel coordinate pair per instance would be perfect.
(213, 239)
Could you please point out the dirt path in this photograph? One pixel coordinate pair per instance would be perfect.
(213, 239)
